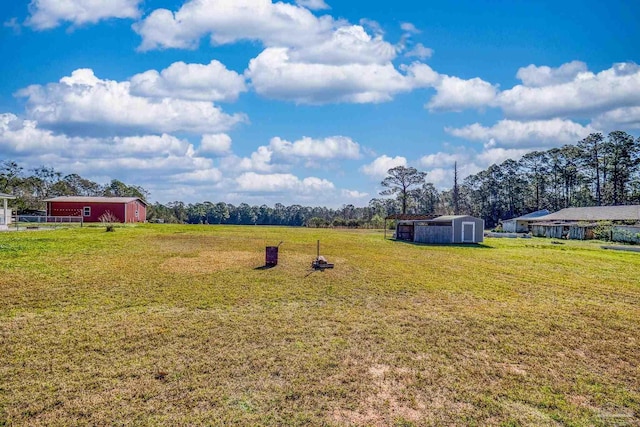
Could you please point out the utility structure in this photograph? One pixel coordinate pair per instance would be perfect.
(271, 255)
(320, 263)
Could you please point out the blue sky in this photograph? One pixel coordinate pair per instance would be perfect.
(306, 102)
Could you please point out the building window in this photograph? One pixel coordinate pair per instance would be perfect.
(137, 214)
(86, 211)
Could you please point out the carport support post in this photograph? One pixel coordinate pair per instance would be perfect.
(385, 229)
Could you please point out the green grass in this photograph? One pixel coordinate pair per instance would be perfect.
(175, 325)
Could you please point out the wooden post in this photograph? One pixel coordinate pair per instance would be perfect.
(385, 229)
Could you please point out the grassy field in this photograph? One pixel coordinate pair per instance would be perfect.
(176, 325)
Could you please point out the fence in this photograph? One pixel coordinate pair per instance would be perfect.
(45, 221)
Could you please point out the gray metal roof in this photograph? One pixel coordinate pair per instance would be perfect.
(535, 214)
(595, 213)
(411, 217)
(450, 217)
(529, 216)
(86, 199)
(442, 218)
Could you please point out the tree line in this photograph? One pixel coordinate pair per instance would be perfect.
(293, 215)
(598, 170)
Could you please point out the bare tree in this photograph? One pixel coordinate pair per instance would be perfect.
(456, 190)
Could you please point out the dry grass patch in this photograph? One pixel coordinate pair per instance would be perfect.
(387, 404)
(174, 325)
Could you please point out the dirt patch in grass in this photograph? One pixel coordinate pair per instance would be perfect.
(523, 414)
(387, 404)
(211, 261)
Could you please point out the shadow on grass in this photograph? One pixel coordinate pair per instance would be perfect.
(445, 245)
(265, 267)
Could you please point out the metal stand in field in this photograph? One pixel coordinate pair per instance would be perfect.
(320, 263)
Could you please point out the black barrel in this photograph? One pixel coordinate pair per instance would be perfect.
(271, 256)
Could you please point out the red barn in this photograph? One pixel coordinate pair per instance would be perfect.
(126, 209)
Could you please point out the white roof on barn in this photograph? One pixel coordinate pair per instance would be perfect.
(86, 199)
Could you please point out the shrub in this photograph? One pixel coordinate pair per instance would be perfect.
(108, 219)
(602, 231)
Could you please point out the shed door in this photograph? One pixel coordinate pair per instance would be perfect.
(468, 232)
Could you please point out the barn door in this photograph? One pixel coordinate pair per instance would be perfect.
(468, 232)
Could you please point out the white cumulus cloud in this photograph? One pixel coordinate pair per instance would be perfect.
(307, 59)
(585, 95)
(83, 103)
(258, 161)
(46, 14)
(537, 133)
(217, 144)
(210, 175)
(23, 137)
(227, 21)
(439, 159)
(534, 76)
(279, 182)
(275, 75)
(353, 194)
(151, 145)
(620, 118)
(163, 158)
(456, 94)
(198, 82)
(313, 4)
(346, 45)
(281, 154)
(334, 147)
(568, 91)
(381, 165)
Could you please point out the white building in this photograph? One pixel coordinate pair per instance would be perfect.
(5, 212)
(521, 223)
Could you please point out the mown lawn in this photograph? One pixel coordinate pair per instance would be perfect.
(175, 325)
